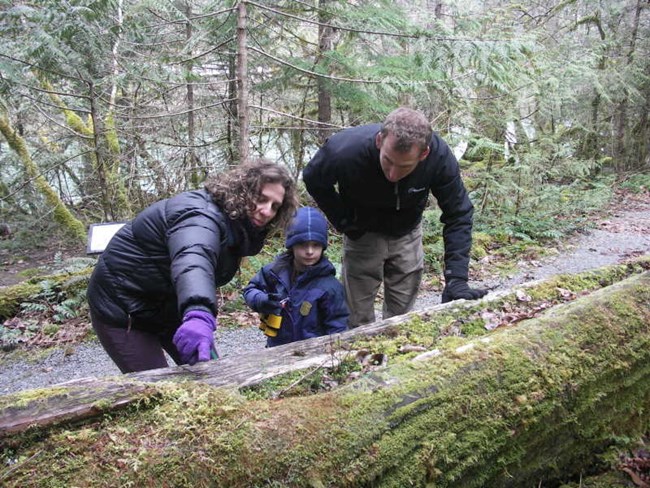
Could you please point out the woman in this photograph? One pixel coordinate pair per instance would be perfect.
(154, 287)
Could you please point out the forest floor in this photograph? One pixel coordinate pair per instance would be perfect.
(618, 234)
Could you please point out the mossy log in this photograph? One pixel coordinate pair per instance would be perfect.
(525, 405)
(12, 296)
(250, 369)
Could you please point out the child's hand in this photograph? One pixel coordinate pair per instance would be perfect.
(268, 303)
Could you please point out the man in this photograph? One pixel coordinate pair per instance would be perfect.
(372, 182)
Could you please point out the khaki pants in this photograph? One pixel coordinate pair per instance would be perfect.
(375, 258)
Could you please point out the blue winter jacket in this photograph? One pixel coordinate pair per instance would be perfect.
(316, 300)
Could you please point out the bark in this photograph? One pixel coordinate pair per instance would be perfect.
(525, 405)
(242, 81)
(231, 126)
(325, 43)
(621, 124)
(191, 159)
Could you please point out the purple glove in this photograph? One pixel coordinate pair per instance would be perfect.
(195, 337)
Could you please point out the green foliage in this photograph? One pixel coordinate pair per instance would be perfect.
(432, 241)
(639, 183)
(12, 337)
(57, 304)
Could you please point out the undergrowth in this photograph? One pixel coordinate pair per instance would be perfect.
(507, 233)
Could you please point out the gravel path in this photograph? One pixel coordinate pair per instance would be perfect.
(623, 235)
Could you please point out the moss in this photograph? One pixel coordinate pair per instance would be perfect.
(62, 215)
(535, 401)
(29, 273)
(481, 242)
(12, 296)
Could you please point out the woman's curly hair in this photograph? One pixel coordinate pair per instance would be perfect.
(238, 190)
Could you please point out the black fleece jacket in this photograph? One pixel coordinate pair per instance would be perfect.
(168, 260)
(347, 183)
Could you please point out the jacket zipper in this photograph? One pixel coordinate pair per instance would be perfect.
(397, 193)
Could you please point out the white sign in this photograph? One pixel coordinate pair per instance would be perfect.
(100, 234)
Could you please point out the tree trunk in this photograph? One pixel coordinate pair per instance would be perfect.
(621, 155)
(191, 160)
(325, 42)
(62, 215)
(242, 81)
(232, 132)
(524, 405)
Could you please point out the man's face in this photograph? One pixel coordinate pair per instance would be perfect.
(395, 164)
(267, 205)
(306, 254)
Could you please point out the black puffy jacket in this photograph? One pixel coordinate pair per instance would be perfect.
(168, 260)
(346, 180)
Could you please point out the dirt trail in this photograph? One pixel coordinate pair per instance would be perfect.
(622, 234)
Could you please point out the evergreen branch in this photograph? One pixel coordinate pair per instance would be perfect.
(295, 117)
(418, 35)
(27, 182)
(63, 126)
(52, 92)
(58, 107)
(184, 112)
(312, 73)
(347, 29)
(190, 19)
(204, 53)
(338, 78)
(44, 70)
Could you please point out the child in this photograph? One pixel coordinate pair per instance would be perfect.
(300, 286)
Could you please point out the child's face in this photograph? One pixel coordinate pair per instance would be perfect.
(306, 254)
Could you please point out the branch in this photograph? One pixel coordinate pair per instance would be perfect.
(31, 179)
(418, 35)
(34, 66)
(184, 112)
(312, 73)
(294, 117)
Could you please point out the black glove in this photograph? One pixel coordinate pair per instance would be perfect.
(268, 303)
(354, 234)
(351, 230)
(457, 288)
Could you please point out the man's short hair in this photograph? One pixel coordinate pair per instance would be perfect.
(409, 127)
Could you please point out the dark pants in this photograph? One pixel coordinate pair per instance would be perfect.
(135, 350)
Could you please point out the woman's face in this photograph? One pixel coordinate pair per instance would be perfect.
(267, 204)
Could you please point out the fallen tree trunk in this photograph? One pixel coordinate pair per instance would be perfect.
(517, 407)
(87, 397)
(68, 282)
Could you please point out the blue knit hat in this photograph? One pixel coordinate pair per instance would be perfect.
(307, 225)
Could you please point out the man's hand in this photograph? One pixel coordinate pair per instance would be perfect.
(457, 288)
(350, 229)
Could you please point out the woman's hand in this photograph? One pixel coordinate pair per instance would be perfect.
(194, 339)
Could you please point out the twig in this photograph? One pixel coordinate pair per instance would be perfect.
(19, 465)
(306, 375)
